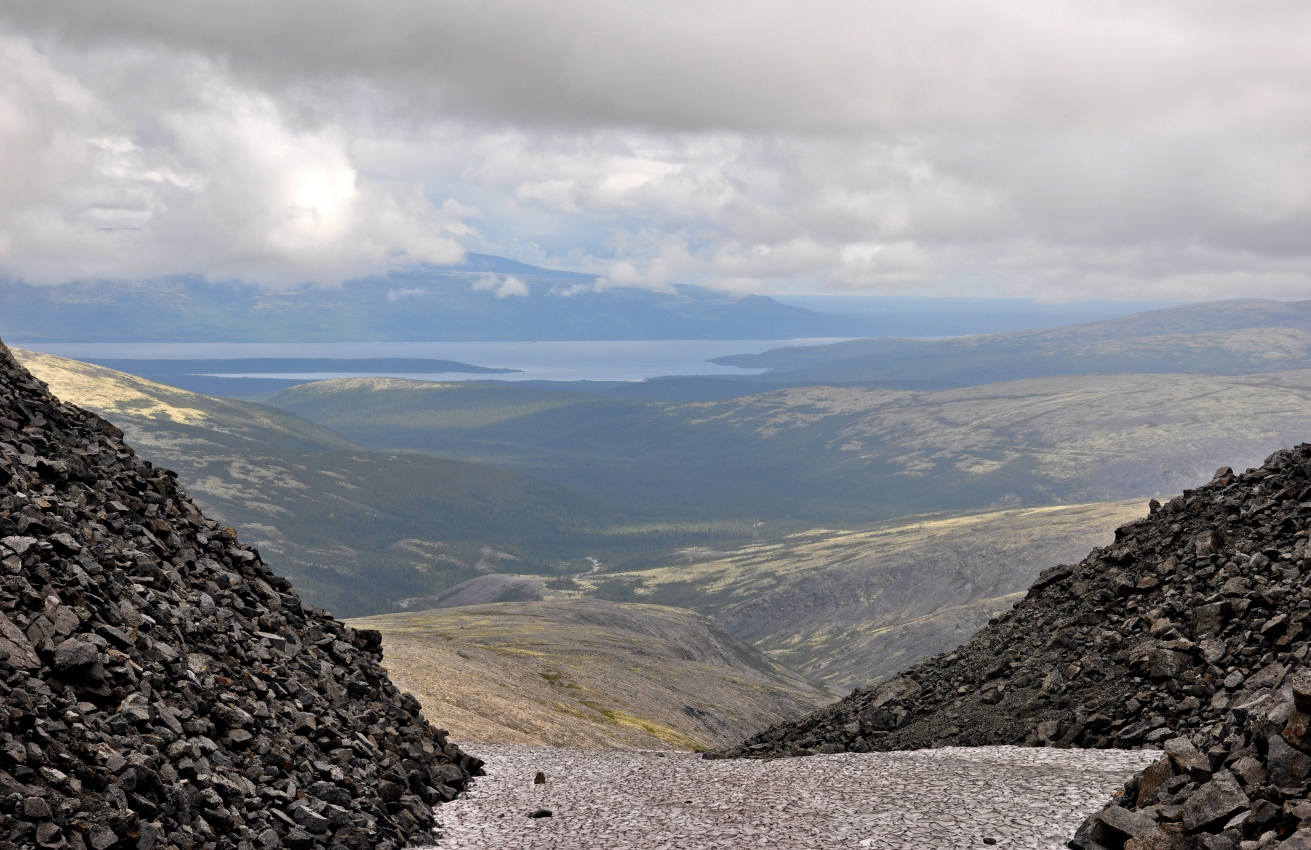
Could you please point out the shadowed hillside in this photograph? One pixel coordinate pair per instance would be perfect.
(838, 455)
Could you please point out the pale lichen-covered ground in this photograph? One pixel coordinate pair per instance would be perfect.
(1104, 430)
(646, 800)
(114, 392)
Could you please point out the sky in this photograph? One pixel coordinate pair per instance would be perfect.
(1057, 149)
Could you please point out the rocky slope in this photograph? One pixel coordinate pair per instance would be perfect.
(160, 687)
(1188, 632)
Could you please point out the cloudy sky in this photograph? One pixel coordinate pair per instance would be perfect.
(1157, 150)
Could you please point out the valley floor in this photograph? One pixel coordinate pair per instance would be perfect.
(646, 800)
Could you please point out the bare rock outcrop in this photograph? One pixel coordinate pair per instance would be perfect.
(160, 687)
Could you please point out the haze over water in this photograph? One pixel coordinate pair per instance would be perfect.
(608, 360)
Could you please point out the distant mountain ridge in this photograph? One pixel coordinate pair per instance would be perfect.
(484, 298)
(1215, 338)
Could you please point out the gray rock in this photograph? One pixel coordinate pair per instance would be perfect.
(1151, 780)
(75, 652)
(18, 544)
(1287, 766)
(19, 653)
(1164, 837)
(299, 839)
(50, 835)
(311, 820)
(1300, 840)
(1124, 823)
(1250, 771)
(101, 837)
(1214, 803)
(36, 808)
(66, 542)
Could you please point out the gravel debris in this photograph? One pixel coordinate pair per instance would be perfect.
(954, 797)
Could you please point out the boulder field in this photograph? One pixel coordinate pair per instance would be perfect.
(161, 688)
(1189, 633)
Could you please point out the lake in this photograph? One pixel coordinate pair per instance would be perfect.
(624, 360)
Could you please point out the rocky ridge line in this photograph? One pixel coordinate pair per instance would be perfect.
(160, 687)
(1189, 633)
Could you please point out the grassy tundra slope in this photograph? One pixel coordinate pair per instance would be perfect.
(586, 673)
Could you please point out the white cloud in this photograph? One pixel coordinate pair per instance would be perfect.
(507, 286)
(1060, 148)
(572, 290)
(200, 175)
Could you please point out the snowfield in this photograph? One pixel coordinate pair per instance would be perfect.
(646, 800)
